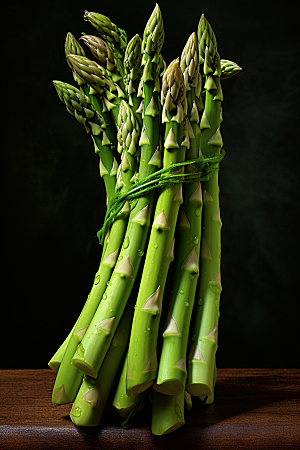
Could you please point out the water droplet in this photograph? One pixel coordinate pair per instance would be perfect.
(97, 279)
(200, 301)
(80, 350)
(181, 292)
(192, 276)
(104, 297)
(136, 341)
(88, 379)
(148, 328)
(196, 240)
(135, 353)
(215, 287)
(155, 245)
(186, 304)
(111, 310)
(76, 412)
(140, 252)
(198, 212)
(178, 412)
(126, 242)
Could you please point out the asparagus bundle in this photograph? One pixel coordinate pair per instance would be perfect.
(148, 329)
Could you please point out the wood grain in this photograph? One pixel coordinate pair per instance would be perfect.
(253, 409)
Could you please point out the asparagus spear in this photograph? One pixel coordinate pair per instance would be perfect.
(56, 359)
(97, 340)
(172, 366)
(209, 399)
(132, 72)
(80, 106)
(201, 364)
(229, 69)
(142, 357)
(73, 47)
(90, 402)
(99, 80)
(114, 36)
(122, 403)
(101, 51)
(108, 137)
(69, 377)
(104, 143)
(167, 413)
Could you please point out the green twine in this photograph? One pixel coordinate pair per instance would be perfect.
(204, 168)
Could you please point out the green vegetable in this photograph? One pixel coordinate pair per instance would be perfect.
(156, 131)
(90, 354)
(114, 36)
(132, 72)
(69, 377)
(90, 402)
(142, 353)
(185, 272)
(167, 413)
(204, 332)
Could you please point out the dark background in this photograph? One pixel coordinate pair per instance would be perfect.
(53, 200)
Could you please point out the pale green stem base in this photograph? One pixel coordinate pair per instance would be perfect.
(167, 413)
(122, 403)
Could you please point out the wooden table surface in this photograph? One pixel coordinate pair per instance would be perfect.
(253, 409)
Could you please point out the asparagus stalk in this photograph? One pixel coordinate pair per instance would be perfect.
(167, 413)
(201, 365)
(73, 47)
(69, 377)
(104, 142)
(99, 81)
(229, 69)
(90, 402)
(123, 403)
(208, 400)
(172, 366)
(101, 51)
(56, 359)
(108, 136)
(80, 106)
(132, 72)
(114, 36)
(97, 340)
(142, 355)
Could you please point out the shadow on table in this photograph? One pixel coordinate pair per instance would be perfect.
(237, 401)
